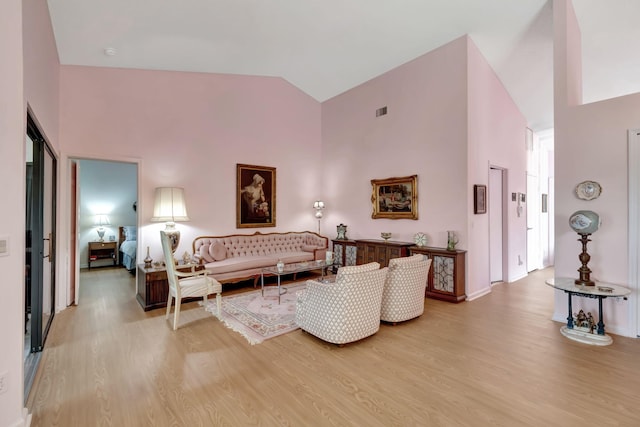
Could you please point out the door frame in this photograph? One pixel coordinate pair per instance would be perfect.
(505, 228)
(634, 227)
(41, 148)
(74, 233)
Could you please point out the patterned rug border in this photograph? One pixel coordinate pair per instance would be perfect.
(257, 327)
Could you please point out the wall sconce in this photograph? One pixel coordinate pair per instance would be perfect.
(318, 205)
(170, 207)
(101, 220)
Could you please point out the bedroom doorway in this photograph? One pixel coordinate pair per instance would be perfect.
(103, 202)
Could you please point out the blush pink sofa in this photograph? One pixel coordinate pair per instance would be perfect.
(239, 257)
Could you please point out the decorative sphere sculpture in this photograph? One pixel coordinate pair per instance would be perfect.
(584, 222)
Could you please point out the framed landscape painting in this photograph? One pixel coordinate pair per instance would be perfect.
(395, 198)
(255, 196)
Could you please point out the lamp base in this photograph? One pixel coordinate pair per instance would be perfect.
(101, 235)
(173, 234)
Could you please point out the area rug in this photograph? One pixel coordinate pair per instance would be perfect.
(259, 318)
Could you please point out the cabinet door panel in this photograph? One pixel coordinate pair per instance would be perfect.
(443, 277)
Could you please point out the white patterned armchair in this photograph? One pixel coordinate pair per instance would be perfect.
(403, 296)
(346, 310)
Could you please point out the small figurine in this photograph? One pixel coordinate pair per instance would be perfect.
(186, 258)
(591, 322)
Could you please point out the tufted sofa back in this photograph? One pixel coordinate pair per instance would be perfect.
(257, 244)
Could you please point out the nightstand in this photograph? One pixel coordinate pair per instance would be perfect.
(103, 250)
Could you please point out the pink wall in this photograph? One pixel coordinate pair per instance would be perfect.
(41, 68)
(190, 130)
(591, 144)
(448, 118)
(12, 220)
(18, 84)
(424, 133)
(496, 138)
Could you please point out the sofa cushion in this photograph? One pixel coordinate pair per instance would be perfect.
(240, 263)
(217, 251)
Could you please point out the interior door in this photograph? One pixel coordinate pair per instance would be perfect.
(496, 225)
(534, 254)
(74, 268)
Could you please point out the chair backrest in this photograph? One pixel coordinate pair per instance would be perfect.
(169, 263)
(410, 272)
(356, 269)
(406, 260)
(360, 289)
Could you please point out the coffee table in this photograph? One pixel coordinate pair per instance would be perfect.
(293, 268)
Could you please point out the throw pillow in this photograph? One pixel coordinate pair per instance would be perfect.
(218, 251)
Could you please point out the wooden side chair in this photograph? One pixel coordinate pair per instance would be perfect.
(186, 285)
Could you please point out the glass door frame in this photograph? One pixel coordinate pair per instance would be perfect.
(44, 184)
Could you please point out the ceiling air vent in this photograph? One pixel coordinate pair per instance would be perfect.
(381, 111)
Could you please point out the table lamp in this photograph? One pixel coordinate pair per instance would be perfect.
(318, 205)
(100, 221)
(170, 207)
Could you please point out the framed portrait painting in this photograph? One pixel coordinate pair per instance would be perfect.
(395, 198)
(255, 196)
(479, 199)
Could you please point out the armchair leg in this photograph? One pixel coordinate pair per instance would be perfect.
(219, 303)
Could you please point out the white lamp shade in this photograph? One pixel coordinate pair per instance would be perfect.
(101, 220)
(169, 205)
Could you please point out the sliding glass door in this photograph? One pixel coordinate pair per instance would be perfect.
(40, 238)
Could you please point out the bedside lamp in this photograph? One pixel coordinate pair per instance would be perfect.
(318, 205)
(170, 208)
(100, 221)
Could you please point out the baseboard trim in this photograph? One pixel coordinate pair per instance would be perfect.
(478, 294)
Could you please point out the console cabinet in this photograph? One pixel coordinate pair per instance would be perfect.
(446, 279)
(153, 286)
(344, 252)
(380, 251)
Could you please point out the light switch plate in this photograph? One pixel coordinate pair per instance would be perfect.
(4, 245)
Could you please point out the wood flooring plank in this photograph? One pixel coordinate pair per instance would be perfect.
(495, 361)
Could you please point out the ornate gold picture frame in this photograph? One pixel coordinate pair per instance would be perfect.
(395, 198)
(255, 196)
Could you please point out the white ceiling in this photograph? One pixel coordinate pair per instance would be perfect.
(327, 47)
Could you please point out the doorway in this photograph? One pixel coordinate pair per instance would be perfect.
(497, 224)
(40, 244)
(104, 191)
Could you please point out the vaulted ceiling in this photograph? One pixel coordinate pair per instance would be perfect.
(327, 47)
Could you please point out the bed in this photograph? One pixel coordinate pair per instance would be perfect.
(128, 245)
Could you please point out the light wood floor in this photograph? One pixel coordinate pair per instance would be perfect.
(496, 361)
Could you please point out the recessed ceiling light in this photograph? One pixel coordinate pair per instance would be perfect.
(109, 51)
